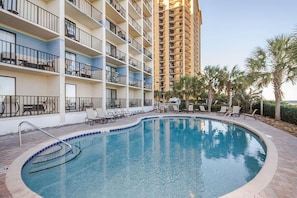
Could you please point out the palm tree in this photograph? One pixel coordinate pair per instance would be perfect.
(214, 79)
(276, 64)
(184, 88)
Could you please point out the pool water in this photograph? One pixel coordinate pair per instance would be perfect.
(160, 157)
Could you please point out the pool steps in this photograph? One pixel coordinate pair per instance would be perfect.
(54, 156)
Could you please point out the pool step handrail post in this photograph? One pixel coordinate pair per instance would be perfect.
(41, 130)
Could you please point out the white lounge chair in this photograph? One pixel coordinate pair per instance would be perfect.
(191, 108)
(235, 111)
(223, 110)
(175, 108)
(253, 115)
(202, 109)
(102, 114)
(91, 117)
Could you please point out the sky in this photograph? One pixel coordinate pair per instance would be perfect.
(232, 29)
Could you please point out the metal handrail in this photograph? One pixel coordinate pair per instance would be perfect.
(36, 127)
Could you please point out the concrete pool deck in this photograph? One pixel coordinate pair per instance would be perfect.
(283, 183)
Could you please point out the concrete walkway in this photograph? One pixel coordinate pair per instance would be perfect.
(283, 183)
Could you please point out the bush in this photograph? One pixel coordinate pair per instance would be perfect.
(288, 112)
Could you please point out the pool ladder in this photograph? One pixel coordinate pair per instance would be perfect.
(52, 156)
(41, 130)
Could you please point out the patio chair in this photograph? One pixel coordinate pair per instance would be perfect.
(223, 110)
(86, 71)
(11, 106)
(175, 109)
(103, 115)
(69, 69)
(235, 111)
(253, 114)
(91, 117)
(191, 108)
(202, 109)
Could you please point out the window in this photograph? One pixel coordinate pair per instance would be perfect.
(111, 49)
(70, 29)
(7, 47)
(70, 59)
(112, 27)
(70, 90)
(7, 86)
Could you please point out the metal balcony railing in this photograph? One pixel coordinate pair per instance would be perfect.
(134, 24)
(17, 105)
(115, 77)
(147, 36)
(148, 5)
(83, 37)
(15, 54)
(147, 53)
(134, 82)
(134, 102)
(147, 85)
(87, 8)
(85, 70)
(148, 21)
(147, 68)
(135, 44)
(134, 62)
(117, 31)
(136, 6)
(73, 104)
(33, 13)
(118, 54)
(148, 102)
(118, 7)
(115, 103)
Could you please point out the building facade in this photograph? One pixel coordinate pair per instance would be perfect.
(60, 57)
(177, 41)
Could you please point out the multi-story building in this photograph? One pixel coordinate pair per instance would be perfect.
(177, 41)
(60, 57)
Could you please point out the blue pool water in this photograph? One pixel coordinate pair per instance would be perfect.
(166, 157)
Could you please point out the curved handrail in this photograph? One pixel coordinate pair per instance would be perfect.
(36, 127)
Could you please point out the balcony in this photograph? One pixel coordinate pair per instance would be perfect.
(147, 68)
(112, 103)
(30, 18)
(134, 8)
(84, 70)
(82, 41)
(135, 64)
(148, 102)
(134, 27)
(134, 46)
(134, 82)
(115, 11)
(116, 34)
(82, 10)
(115, 77)
(147, 39)
(147, 85)
(147, 53)
(134, 102)
(17, 105)
(147, 8)
(116, 57)
(148, 24)
(75, 104)
(28, 58)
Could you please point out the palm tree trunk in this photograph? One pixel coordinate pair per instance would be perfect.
(209, 100)
(277, 108)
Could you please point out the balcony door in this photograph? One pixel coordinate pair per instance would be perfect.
(7, 47)
(111, 98)
(70, 94)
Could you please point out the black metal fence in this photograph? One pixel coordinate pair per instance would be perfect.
(16, 105)
(82, 103)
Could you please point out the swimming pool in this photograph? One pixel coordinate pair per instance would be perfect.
(159, 157)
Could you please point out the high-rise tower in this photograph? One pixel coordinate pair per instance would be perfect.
(177, 41)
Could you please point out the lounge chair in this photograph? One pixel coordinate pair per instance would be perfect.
(253, 115)
(235, 111)
(112, 112)
(191, 108)
(103, 115)
(175, 108)
(202, 109)
(91, 117)
(223, 110)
